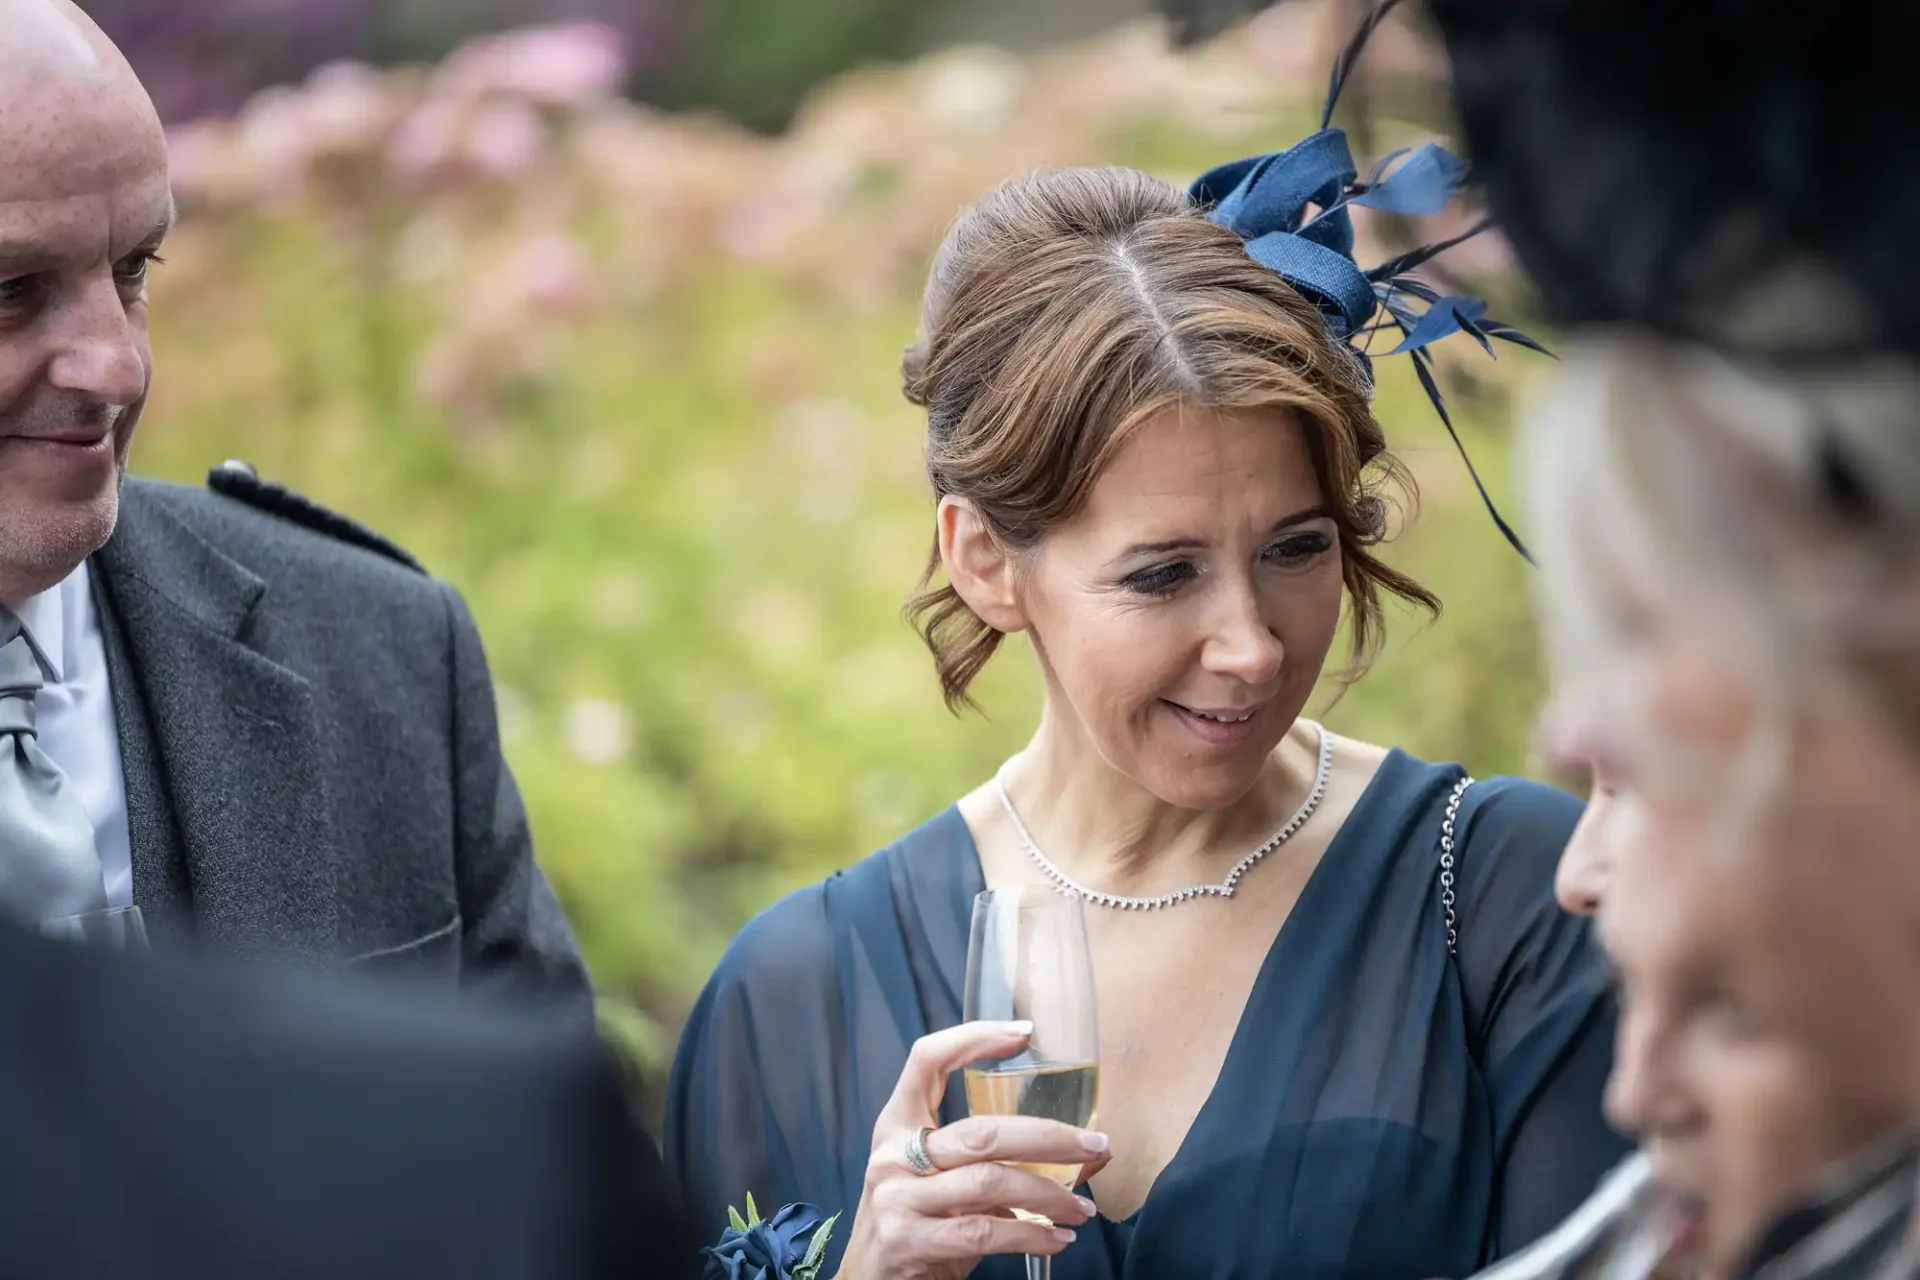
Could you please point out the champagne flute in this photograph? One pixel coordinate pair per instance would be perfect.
(1028, 960)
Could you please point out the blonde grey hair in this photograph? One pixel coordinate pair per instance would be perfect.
(1775, 510)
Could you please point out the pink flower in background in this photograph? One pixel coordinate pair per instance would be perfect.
(427, 139)
(503, 327)
(482, 107)
(560, 66)
(200, 161)
(500, 140)
(550, 275)
(505, 139)
(468, 181)
(346, 109)
(285, 136)
(273, 147)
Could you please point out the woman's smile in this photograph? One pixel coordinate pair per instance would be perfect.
(1220, 726)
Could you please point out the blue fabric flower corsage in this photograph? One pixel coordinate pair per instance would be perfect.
(790, 1245)
(1291, 208)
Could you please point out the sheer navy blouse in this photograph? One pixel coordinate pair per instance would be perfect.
(1386, 1110)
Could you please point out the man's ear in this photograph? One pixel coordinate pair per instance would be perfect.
(978, 565)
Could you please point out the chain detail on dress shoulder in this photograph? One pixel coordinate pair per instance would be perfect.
(1447, 861)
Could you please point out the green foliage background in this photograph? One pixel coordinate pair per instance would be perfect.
(687, 538)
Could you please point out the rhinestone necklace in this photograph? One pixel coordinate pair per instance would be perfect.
(1224, 889)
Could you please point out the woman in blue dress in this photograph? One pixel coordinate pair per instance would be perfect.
(1381, 1056)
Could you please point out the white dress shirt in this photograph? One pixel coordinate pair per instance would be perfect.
(74, 711)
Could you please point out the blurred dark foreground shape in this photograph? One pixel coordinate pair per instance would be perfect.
(164, 1120)
(1737, 172)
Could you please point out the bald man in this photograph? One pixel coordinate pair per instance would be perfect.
(260, 723)
(267, 728)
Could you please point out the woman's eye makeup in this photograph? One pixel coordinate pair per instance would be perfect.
(1160, 579)
(1298, 548)
(1291, 551)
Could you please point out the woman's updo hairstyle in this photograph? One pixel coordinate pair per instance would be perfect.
(1065, 308)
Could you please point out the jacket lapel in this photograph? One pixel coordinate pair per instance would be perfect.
(234, 734)
(160, 886)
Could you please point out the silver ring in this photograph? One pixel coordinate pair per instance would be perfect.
(917, 1158)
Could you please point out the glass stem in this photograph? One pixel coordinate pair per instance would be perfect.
(1039, 1268)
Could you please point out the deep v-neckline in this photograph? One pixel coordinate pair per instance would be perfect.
(972, 880)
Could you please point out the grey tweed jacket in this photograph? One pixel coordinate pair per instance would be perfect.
(310, 746)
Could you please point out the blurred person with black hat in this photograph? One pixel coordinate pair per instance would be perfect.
(1715, 200)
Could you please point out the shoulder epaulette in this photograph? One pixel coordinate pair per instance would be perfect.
(239, 481)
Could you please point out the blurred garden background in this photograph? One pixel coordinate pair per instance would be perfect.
(597, 307)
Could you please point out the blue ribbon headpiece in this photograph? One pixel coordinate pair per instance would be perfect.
(1264, 200)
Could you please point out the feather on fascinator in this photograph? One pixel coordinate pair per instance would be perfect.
(1291, 208)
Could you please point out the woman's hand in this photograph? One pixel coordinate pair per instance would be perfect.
(938, 1226)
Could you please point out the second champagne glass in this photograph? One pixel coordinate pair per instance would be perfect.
(1028, 960)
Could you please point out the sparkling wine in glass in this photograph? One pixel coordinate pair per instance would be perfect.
(1028, 960)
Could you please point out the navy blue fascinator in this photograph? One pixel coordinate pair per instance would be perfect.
(1265, 200)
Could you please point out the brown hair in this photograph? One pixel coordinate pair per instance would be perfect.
(1067, 307)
